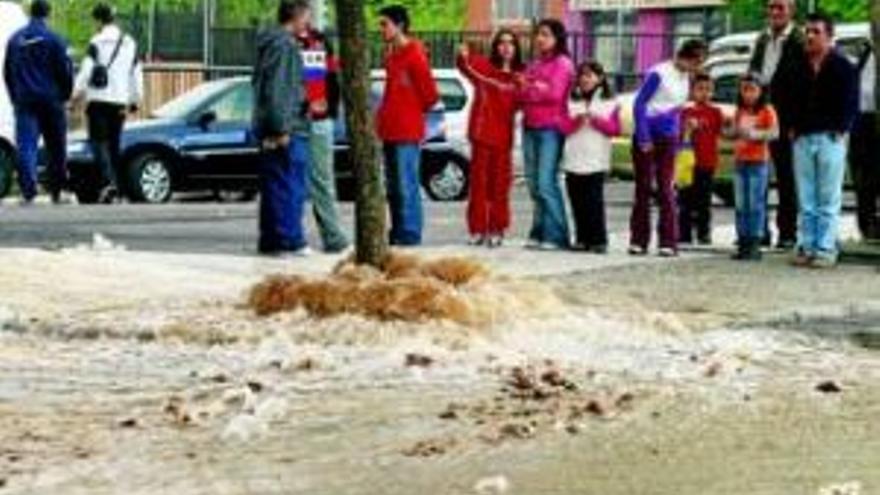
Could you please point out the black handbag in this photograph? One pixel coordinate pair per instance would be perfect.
(100, 76)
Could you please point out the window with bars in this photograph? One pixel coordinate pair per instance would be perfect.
(517, 10)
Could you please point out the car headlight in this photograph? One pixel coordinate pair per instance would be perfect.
(77, 148)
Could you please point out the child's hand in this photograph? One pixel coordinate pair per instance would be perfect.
(464, 50)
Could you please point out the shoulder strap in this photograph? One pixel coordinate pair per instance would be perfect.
(116, 50)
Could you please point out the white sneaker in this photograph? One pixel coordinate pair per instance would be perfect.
(495, 241)
(533, 244)
(477, 240)
(637, 250)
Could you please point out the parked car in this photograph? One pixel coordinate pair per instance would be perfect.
(12, 18)
(202, 141)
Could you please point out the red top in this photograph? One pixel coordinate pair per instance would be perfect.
(762, 125)
(410, 91)
(709, 123)
(495, 105)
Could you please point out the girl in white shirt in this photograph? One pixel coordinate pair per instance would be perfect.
(587, 155)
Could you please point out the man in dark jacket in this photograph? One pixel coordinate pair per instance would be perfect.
(280, 124)
(864, 152)
(39, 77)
(778, 53)
(827, 92)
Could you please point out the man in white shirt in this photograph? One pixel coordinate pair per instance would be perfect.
(111, 81)
(864, 152)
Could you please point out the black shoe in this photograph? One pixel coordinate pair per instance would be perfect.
(705, 240)
(598, 249)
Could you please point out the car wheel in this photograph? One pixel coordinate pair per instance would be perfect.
(7, 169)
(149, 178)
(445, 177)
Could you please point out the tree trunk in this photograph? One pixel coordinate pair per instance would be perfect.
(370, 234)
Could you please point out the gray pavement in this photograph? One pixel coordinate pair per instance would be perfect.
(197, 225)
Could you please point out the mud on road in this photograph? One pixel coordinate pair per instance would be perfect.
(691, 377)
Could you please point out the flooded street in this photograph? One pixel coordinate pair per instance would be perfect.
(142, 374)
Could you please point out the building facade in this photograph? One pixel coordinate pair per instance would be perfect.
(627, 36)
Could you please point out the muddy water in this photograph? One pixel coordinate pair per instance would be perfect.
(722, 386)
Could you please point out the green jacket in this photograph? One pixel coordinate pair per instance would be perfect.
(785, 78)
(279, 93)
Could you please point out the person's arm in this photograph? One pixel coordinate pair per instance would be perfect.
(334, 91)
(756, 63)
(62, 67)
(610, 125)
(553, 90)
(85, 71)
(136, 84)
(849, 89)
(573, 123)
(423, 80)
(9, 64)
(640, 108)
(273, 67)
(769, 127)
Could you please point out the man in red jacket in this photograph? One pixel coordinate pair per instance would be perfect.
(410, 91)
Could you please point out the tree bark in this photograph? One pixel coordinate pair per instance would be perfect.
(370, 217)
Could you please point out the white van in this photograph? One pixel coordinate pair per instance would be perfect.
(12, 18)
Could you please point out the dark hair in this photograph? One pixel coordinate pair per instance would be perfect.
(103, 13)
(289, 10)
(753, 78)
(559, 33)
(822, 18)
(605, 86)
(398, 15)
(702, 76)
(495, 57)
(692, 49)
(40, 9)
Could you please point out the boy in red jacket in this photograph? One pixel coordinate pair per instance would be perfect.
(703, 122)
(410, 91)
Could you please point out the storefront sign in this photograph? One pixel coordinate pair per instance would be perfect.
(641, 4)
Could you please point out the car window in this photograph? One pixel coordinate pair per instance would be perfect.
(234, 106)
(726, 89)
(852, 47)
(452, 92)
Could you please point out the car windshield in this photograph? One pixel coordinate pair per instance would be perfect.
(184, 105)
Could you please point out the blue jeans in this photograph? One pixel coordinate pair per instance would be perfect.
(819, 165)
(402, 172)
(542, 149)
(750, 183)
(50, 121)
(283, 194)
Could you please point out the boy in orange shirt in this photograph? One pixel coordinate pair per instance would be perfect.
(754, 127)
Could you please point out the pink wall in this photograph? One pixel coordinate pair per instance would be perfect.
(652, 46)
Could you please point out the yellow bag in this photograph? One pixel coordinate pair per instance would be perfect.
(685, 163)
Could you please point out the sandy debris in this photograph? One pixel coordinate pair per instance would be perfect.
(492, 485)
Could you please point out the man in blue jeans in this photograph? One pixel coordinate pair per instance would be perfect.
(280, 124)
(39, 77)
(828, 91)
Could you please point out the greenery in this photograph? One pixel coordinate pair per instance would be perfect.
(750, 14)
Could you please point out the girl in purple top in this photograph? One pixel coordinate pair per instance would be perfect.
(543, 91)
(657, 110)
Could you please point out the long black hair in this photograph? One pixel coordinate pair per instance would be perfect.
(606, 93)
(559, 33)
(763, 100)
(495, 58)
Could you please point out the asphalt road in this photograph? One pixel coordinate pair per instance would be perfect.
(200, 225)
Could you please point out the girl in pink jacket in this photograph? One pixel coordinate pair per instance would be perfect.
(543, 92)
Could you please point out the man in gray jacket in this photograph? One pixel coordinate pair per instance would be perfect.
(281, 126)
